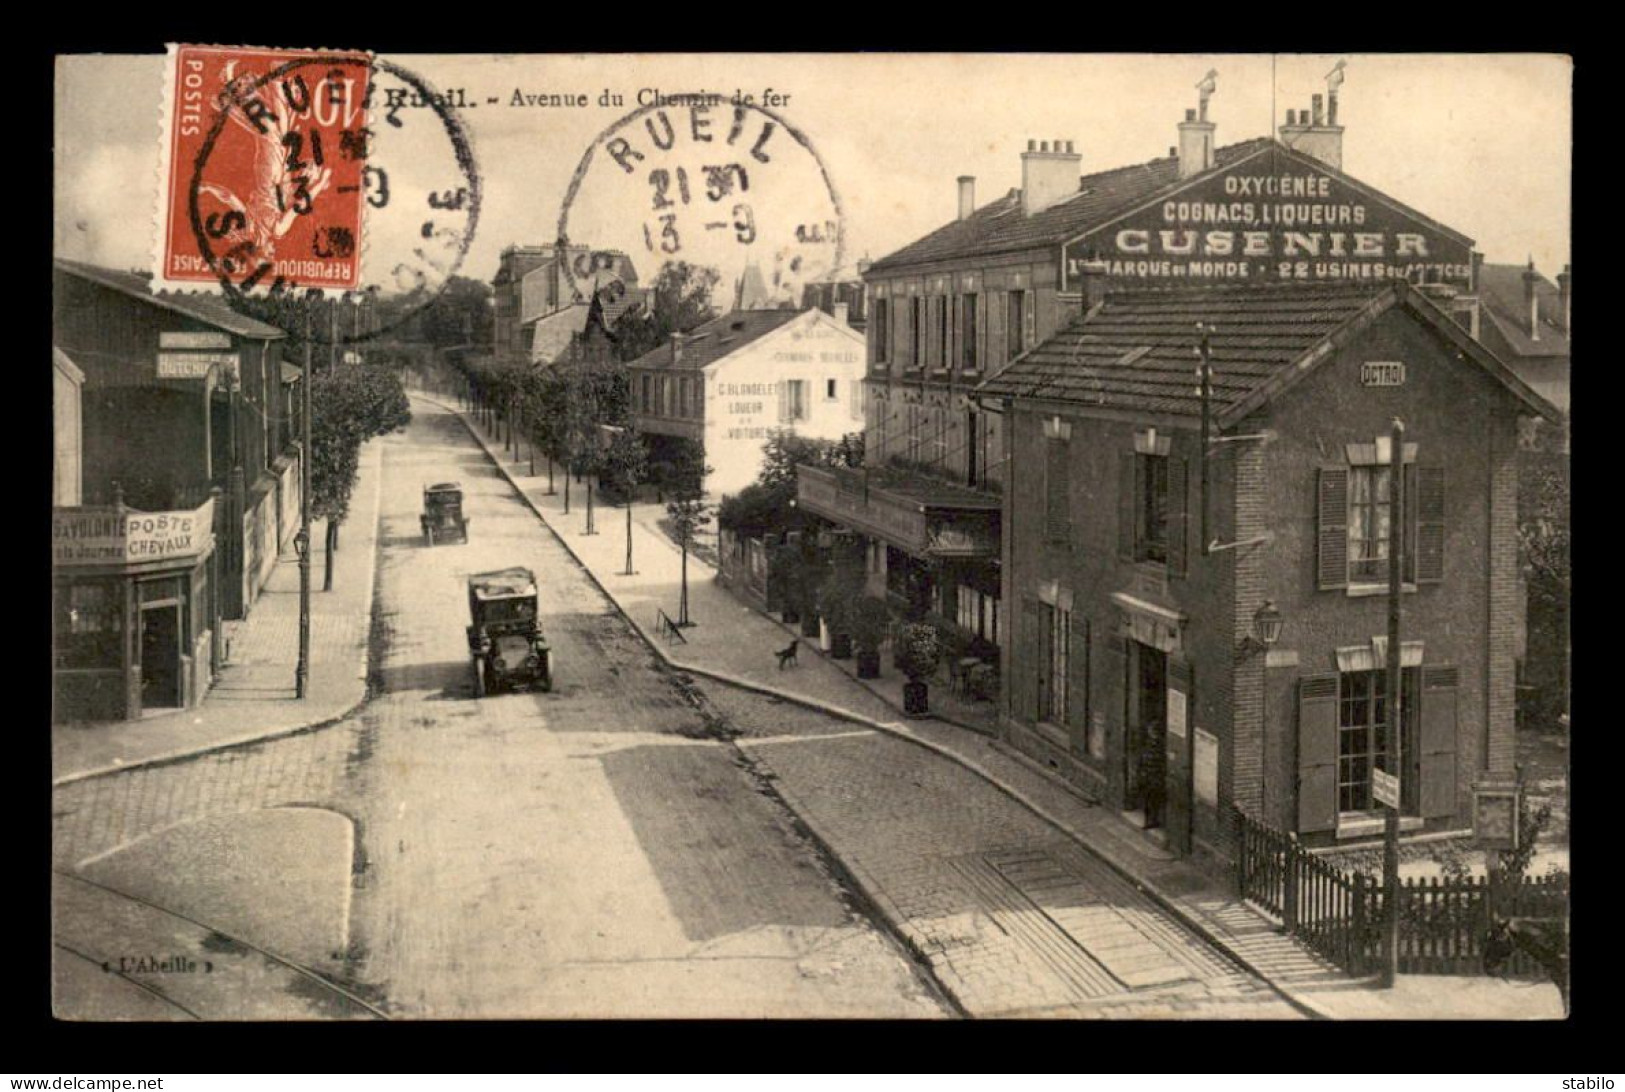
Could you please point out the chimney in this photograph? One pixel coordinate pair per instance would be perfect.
(1531, 281)
(1195, 145)
(842, 310)
(967, 196)
(1315, 131)
(1047, 176)
(677, 347)
(1564, 280)
(1092, 282)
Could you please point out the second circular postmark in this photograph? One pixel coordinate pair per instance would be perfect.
(709, 181)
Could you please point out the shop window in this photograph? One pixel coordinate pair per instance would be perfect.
(89, 624)
(1363, 738)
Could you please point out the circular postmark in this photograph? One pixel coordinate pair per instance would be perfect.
(333, 175)
(707, 180)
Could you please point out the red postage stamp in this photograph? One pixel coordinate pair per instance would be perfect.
(264, 168)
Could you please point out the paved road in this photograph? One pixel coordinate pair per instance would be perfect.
(596, 851)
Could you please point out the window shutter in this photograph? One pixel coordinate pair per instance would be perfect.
(1077, 683)
(1108, 700)
(1057, 491)
(1317, 753)
(1126, 507)
(1334, 527)
(784, 402)
(1179, 516)
(854, 392)
(1429, 504)
(1031, 659)
(1438, 741)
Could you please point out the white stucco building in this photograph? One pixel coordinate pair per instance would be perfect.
(731, 382)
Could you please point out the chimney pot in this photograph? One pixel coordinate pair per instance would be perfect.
(1173, 152)
(967, 195)
(1190, 115)
(1564, 281)
(1319, 107)
(1032, 145)
(842, 312)
(1048, 177)
(1531, 281)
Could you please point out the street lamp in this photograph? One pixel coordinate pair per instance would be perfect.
(1267, 624)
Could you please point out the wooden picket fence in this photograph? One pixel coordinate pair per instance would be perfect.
(1443, 923)
(1331, 911)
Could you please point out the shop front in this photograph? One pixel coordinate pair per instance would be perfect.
(134, 611)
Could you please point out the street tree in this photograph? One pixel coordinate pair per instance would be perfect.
(688, 514)
(625, 464)
(680, 301)
(350, 406)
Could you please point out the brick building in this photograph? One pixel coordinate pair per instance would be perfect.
(1135, 669)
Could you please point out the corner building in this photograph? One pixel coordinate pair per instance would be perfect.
(1137, 670)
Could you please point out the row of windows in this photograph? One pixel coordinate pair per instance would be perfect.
(1356, 504)
(682, 396)
(943, 315)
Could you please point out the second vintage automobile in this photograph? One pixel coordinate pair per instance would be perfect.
(443, 518)
(505, 642)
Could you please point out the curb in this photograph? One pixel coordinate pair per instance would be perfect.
(896, 729)
(324, 721)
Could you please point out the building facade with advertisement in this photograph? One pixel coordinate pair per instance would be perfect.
(954, 307)
(1199, 630)
(188, 489)
(733, 382)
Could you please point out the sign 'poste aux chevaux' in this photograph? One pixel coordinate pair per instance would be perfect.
(1273, 216)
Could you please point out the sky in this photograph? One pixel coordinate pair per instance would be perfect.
(1481, 143)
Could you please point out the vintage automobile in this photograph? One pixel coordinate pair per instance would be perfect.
(504, 639)
(443, 518)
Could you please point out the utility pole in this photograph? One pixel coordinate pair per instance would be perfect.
(1392, 760)
(1205, 372)
(302, 672)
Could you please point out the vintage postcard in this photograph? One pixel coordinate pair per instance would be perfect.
(910, 536)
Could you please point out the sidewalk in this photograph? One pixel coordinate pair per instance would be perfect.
(734, 643)
(253, 695)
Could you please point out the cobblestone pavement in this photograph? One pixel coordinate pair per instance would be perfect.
(1014, 918)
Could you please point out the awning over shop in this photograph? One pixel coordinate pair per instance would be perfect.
(922, 516)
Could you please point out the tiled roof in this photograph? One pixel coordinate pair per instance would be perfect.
(1500, 287)
(1000, 225)
(202, 306)
(718, 338)
(1137, 350)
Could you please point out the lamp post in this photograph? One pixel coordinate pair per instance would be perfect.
(1266, 631)
(1395, 718)
(302, 539)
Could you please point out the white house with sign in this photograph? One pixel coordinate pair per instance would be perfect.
(734, 381)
